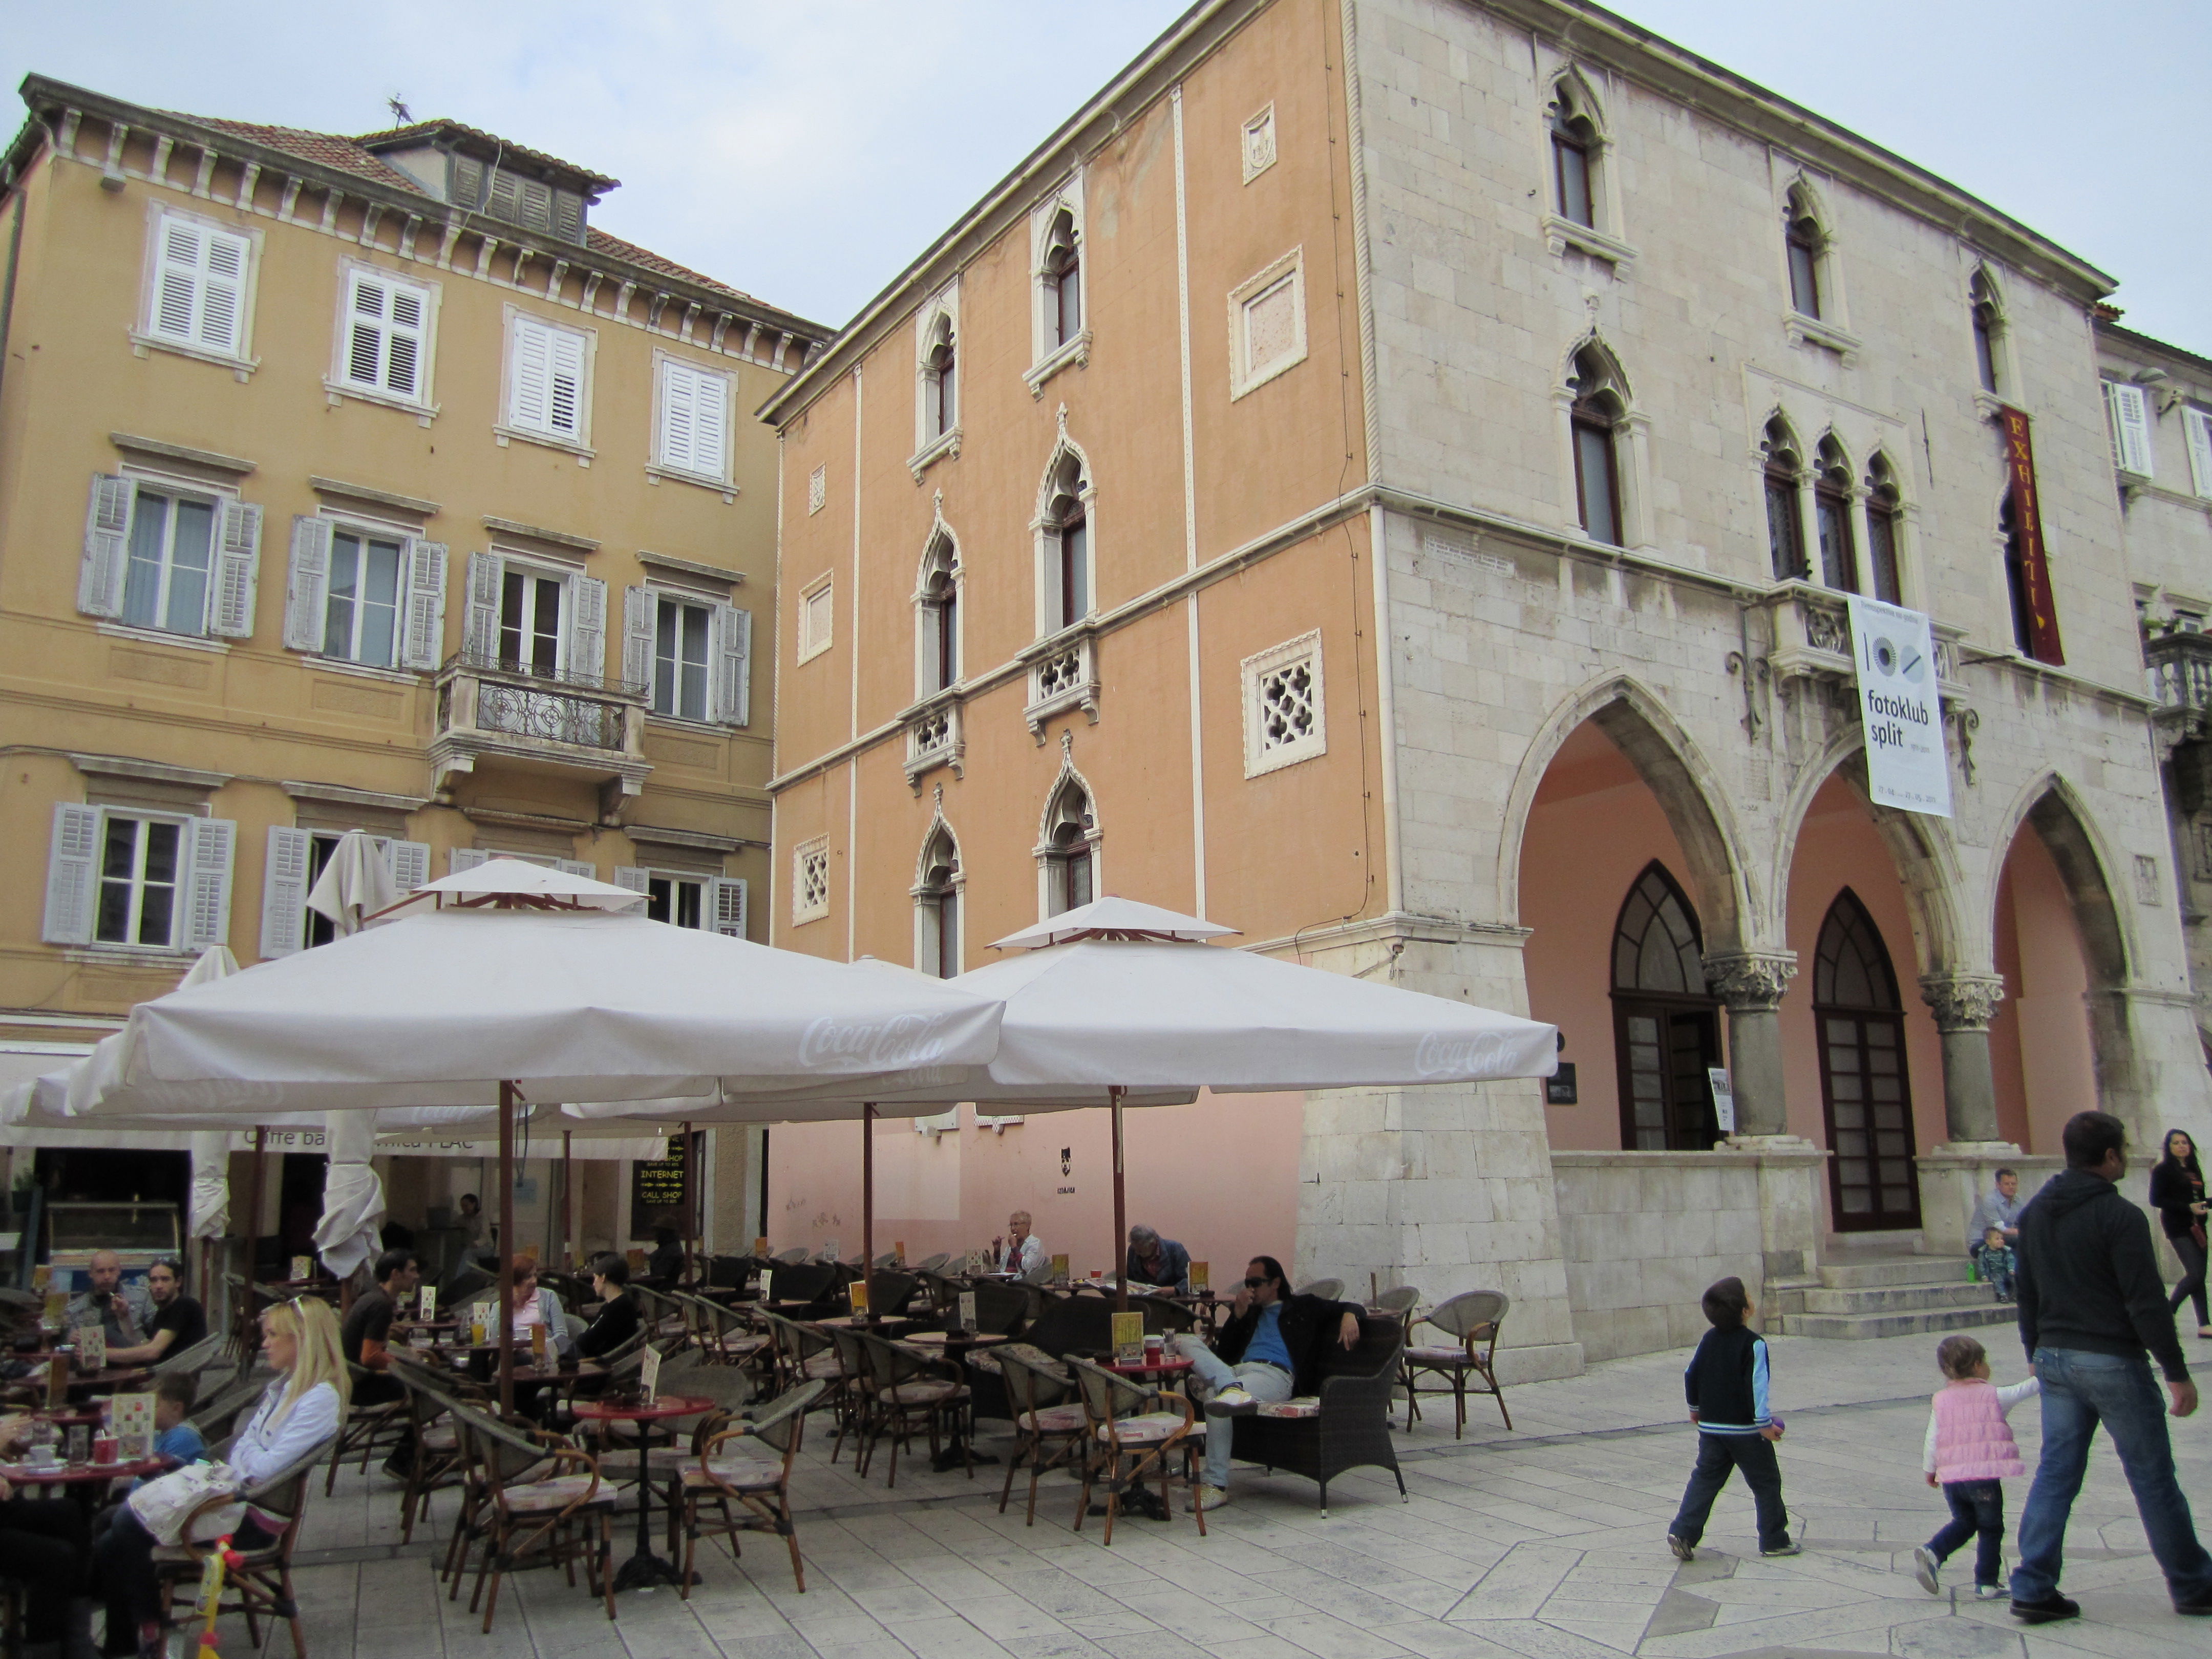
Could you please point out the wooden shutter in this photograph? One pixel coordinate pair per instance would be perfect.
(465, 858)
(72, 858)
(565, 383)
(423, 641)
(211, 844)
(238, 567)
(640, 609)
(408, 862)
(2197, 425)
(222, 293)
(734, 656)
(177, 263)
(468, 182)
(588, 626)
(504, 189)
(306, 589)
(569, 214)
(710, 437)
(679, 390)
(729, 902)
(530, 400)
(107, 546)
(284, 891)
(579, 867)
(402, 347)
(636, 878)
(2130, 413)
(480, 639)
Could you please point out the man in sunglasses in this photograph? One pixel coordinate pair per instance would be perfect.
(1270, 1349)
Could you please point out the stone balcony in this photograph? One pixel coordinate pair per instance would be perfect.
(935, 737)
(2180, 667)
(1812, 639)
(575, 725)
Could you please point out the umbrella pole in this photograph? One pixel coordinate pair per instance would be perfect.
(867, 1194)
(690, 1199)
(1121, 1215)
(505, 1335)
(568, 1201)
(252, 1250)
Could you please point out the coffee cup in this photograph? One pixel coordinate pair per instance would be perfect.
(104, 1449)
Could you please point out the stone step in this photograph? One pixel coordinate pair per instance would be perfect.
(1844, 1274)
(1892, 1299)
(1927, 1322)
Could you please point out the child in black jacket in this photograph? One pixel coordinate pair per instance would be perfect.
(1726, 1384)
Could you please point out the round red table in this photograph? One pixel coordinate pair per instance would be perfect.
(644, 1570)
(23, 1477)
(1162, 1366)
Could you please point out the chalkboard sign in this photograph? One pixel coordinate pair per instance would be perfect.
(1560, 1087)
(660, 1193)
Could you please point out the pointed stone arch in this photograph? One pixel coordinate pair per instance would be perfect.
(1069, 835)
(2052, 806)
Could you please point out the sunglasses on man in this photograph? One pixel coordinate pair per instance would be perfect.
(1258, 1284)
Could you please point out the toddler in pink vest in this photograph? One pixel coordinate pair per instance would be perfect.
(1969, 1453)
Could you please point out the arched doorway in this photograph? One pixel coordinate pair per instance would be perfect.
(1865, 1092)
(1666, 1023)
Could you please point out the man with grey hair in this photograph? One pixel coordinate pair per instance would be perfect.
(1158, 1261)
(1021, 1252)
(124, 1311)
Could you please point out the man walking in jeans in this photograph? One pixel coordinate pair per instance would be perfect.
(2091, 1305)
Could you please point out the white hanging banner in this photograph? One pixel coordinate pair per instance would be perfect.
(1899, 709)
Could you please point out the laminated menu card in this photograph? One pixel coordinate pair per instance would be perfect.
(858, 1291)
(1059, 1270)
(427, 1307)
(1128, 1339)
(1198, 1278)
(303, 1267)
(648, 1375)
(92, 1347)
(133, 1425)
(967, 1310)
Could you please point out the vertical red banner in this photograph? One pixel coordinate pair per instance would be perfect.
(2027, 529)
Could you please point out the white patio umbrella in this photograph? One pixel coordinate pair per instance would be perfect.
(354, 885)
(510, 980)
(349, 1233)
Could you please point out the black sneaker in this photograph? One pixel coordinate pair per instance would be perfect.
(1683, 1548)
(2198, 1606)
(2051, 1608)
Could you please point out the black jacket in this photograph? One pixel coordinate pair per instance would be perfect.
(2087, 1277)
(616, 1325)
(2172, 1190)
(1720, 1381)
(1309, 1326)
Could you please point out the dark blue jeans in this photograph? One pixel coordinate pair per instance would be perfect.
(1717, 1453)
(2081, 1390)
(1977, 1512)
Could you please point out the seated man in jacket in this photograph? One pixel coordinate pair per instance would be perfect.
(1270, 1349)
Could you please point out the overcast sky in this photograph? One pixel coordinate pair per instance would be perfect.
(806, 152)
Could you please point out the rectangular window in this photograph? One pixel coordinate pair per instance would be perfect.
(1839, 565)
(360, 613)
(1597, 483)
(681, 650)
(1882, 538)
(1785, 537)
(545, 380)
(1572, 170)
(172, 560)
(199, 297)
(140, 863)
(817, 612)
(2129, 410)
(691, 434)
(530, 621)
(809, 880)
(2196, 425)
(386, 343)
(1804, 270)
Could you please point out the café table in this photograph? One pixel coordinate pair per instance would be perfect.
(644, 1570)
(955, 1345)
(113, 1379)
(1165, 1365)
(88, 1479)
(881, 1325)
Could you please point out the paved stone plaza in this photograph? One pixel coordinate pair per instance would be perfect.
(1546, 1543)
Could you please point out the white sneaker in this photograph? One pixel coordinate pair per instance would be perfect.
(1991, 1593)
(1211, 1497)
(1925, 1567)
(1233, 1402)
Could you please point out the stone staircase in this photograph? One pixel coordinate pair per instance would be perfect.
(1858, 1297)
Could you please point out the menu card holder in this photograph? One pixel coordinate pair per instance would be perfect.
(1059, 1270)
(303, 1267)
(648, 1376)
(1199, 1282)
(1128, 1339)
(56, 1307)
(760, 1248)
(92, 1347)
(133, 1425)
(967, 1315)
(768, 1284)
(426, 1308)
(830, 1250)
(857, 1294)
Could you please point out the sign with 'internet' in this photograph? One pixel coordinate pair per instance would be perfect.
(1899, 708)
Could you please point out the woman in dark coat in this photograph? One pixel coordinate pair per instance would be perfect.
(2177, 1193)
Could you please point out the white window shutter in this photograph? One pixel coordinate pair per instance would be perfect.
(530, 398)
(2130, 413)
(403, 351)
(729, 897)
(72, 860)
(2198, 426)
(734, 656)
(679, 420)
(465, 858)
(579, 867)
(365, 333)
(587, 628)
(565, 383)
(284, 891)
(107, 546)
(306, 589)
(178, 261)
(212, 845)
(408, 862)
(481, 639)
(238, 569)
(637, 880)
(223, 294)
(710, 433)
(424, 642)
(640, 606)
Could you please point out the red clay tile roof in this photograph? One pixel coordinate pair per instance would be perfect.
(598, 239)
(331, 150)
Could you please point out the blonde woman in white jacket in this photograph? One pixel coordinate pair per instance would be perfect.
(300, 1414)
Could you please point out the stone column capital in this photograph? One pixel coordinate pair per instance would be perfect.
(1962, 1002)
(1750, 980)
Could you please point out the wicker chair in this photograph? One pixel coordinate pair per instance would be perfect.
(196, 1359)
(382, 1425)
(849, 1395)
(215, 1416)
(437, 1441)
(1329, 1289)
(523, 1510)
(729, 1494)
(1347, 1427)
(1040, 1394)
(1128, 1442)
(722, 1337)
(1475, 1317)
(930, 1264)
(907, 1391)
(256, 1583)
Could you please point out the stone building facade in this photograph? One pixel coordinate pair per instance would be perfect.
(1469, 613)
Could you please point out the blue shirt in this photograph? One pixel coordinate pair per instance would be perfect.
(183, 1444)
(1267, 1343)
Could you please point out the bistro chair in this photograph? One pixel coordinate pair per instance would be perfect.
(1128, 1443)
(381, 1425)
(216, 1416)
(1329, 1289)
(931, 1264)
(437, 1441)
(195, 1359)
(1040, 1395)
(728, 1492)
(256, 1583)
(906, 1391)
(849, 1395)
(792, 1257)
(524, 1510)
(1475, 1317)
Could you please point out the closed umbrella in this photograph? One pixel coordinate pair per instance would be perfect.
(354, 885)
(349, 1233)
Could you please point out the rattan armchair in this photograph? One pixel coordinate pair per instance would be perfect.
(1475, 1318)
(1128, 1442)
(726, 1492)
